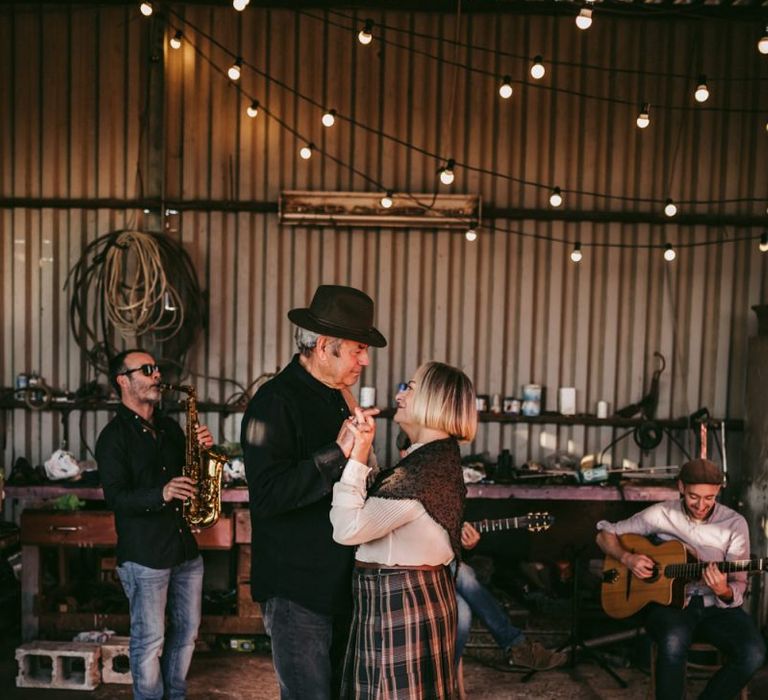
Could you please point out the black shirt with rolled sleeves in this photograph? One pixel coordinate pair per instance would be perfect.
(134, 465)
(292, 460)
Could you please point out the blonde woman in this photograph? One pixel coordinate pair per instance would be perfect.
(408, 530)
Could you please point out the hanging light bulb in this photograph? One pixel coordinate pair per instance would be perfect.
(669, 252)
(556, 198)
(763, 242)
(576, 255)
(240, 5)
(234, 69)
(702, 92)
(329, 118)
(644, 118)
(253, 109)
(175, 40)
(506, 87)
(762, 44)
(146, 9)
(387, 201)
(365, 36)
(306, 151)
(670, 208)
(446, 173)
(471, 234)
(584, 18)
(537, 69)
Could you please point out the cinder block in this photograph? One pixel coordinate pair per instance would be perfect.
(62, 665)
(115, 661)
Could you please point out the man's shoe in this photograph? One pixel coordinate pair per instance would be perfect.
(533, 656)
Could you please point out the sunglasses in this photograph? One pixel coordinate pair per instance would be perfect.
(147, 370)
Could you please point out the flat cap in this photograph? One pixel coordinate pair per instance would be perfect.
(700, 471)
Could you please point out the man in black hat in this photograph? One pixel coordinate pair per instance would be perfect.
(295, 447)
(712, 611)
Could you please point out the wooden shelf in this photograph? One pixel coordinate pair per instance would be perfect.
(577, 492)
(589, 420)
(583, 419)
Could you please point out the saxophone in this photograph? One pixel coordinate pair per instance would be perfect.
(203, 466)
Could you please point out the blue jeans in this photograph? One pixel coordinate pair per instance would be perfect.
(160, 657)
(307, 649)
(473, 597)
(729, 629)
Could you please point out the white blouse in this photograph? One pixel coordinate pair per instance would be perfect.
(388, 531)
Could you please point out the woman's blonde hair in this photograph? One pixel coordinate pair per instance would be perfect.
(444, 399)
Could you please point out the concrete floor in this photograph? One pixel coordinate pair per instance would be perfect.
(229, 675)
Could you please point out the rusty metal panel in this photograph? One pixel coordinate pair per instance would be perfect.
(508, 309)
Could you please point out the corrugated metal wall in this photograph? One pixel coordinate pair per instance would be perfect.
(76, 123)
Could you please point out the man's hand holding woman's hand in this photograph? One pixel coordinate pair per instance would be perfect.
(363, 428)
(347, 437)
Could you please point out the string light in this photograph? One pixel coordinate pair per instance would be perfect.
(576, 255)
(387, 201)
(669, 252)
(670, 208)
(306, 151)
(253, 109)
(146, 9)
(556, 198)
(702, 92)
(537, 69)
(506, 87)
(365, 36)
(449, 176)
(240, 5)
(762, 44)
(446, 172)
(234, 69)
(471, 234)
(175, 40)
(764, 242)
(329, 118)
(644, 118)
(584, 18)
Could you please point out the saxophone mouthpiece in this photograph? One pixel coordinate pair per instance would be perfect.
(176, 387)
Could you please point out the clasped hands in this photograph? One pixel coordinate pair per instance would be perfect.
(357, 433)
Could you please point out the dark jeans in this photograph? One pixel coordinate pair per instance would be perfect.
(731, 630)
(307, 649)
(473, 597)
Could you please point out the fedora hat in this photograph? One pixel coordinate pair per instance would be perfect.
(341, 312)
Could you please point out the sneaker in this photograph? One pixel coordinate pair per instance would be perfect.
(532, 655)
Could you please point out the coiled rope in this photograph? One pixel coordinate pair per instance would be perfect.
(141, 286)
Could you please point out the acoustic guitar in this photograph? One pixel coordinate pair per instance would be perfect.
(533, 522)
(623, 594)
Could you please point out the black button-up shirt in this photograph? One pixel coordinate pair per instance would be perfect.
(134, 465)
(292, 460)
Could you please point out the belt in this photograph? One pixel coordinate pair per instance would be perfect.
(368, 566)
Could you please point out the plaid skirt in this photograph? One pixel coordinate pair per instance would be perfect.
(403, 636)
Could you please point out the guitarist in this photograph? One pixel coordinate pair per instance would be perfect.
(712, 610)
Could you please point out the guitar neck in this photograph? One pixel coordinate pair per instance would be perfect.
(693, 570)
(500, 524)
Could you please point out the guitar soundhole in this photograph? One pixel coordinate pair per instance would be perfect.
(654, 576)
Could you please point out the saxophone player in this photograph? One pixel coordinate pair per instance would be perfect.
(141, 455)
